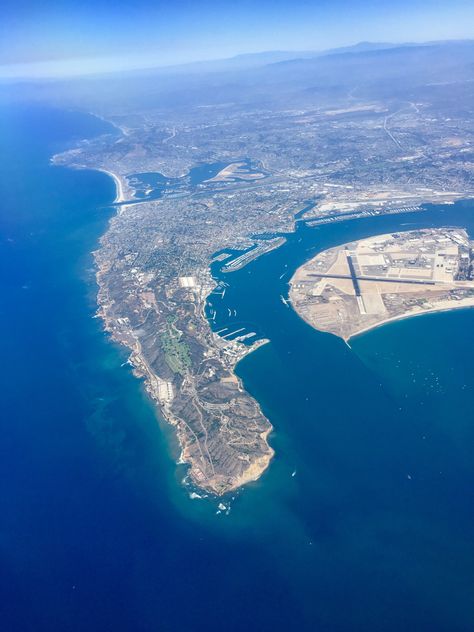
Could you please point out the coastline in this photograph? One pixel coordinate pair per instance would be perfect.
(405, 317)
(385, 321)
(362, 516)
(446, 303)
(141, 369)
(119, 189)
(258, 462)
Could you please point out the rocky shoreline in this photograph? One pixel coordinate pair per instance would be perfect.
(222, 433)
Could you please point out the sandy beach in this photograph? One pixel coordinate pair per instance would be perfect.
(120, 196)
(434, 310)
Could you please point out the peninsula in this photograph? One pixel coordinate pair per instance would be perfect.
(154, 304)
(361, 285)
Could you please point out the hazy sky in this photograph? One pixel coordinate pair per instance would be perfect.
(83, 35)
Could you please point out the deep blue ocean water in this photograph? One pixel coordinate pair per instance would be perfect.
(374, 532)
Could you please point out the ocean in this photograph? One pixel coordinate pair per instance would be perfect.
(364, 520)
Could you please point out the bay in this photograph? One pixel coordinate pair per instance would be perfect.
(362, 522)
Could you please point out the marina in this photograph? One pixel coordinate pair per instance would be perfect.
(252, 254)
(342, 217)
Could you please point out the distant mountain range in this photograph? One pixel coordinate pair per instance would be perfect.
(281, 79)
(266, 58)
(238, 63)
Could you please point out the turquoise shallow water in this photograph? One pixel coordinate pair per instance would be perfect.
(372, 532)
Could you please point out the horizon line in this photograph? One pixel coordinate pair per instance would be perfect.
(77, 67)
